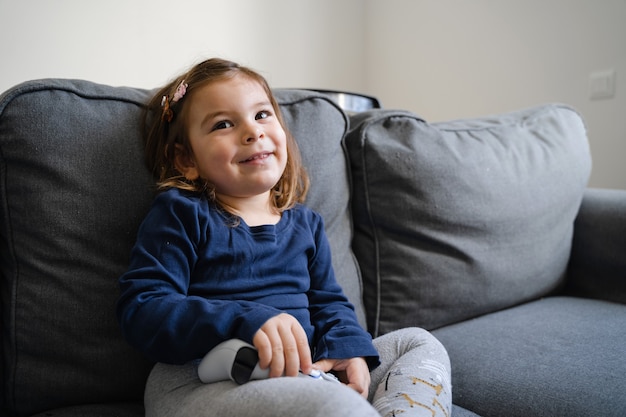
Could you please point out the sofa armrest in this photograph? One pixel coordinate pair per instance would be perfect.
(597, 267)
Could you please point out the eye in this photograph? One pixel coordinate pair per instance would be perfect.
(263, 114)
(224, 124)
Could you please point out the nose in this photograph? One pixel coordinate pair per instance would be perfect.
(252, 134)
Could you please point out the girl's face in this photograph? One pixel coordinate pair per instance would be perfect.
(238, 143)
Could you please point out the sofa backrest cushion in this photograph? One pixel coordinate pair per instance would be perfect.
(73, 190)
(319, 126)
(457, 219)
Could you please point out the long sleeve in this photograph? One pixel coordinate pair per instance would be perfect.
(158, 313)
(338, 332)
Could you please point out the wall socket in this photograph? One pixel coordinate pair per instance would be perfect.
(602, 84)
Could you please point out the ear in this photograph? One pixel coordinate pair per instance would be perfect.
(185, 164)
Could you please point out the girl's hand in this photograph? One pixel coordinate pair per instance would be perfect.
(353, 372)
(283, 346)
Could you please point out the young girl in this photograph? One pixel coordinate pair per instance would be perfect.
(227, 251)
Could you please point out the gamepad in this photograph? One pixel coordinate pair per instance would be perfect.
(239, 361)
(233, 359)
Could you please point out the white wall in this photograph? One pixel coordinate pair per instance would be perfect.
(144, 43)
(447, 59)
(442, 59)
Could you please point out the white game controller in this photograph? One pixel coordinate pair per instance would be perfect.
(239, 361)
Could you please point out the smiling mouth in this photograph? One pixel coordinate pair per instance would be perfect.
(257, 157)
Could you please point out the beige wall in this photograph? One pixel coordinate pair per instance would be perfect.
(446, 59)
(144, 43)
(442, 59)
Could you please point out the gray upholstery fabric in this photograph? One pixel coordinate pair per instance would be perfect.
(597, 263)
(319, 127)
(558, 356)
(73, 190)
(462, 412)
(457, 219)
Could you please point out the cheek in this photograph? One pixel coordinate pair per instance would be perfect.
(281, 139)
(219, 153)
(212, 159)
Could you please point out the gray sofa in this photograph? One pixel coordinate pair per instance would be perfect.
(482, 231)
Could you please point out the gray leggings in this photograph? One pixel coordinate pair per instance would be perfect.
(413, 380)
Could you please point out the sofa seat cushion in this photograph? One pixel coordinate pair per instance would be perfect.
(458, 219)
(558, 356)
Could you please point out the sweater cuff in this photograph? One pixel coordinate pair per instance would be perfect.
(252, 321)
(339, 345)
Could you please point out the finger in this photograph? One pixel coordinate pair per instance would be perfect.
(295, 347)
(324, 365)
(303, 349)
(356, 381)
(263, 345)
(358, 378)
(363, 391)
(277, 364)
(290, 352)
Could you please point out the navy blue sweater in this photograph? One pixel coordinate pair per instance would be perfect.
(196, 280)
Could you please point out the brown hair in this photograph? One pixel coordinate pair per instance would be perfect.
(165, 128)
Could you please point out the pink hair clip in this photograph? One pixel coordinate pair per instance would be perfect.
(180, 92)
